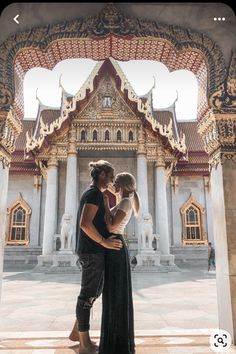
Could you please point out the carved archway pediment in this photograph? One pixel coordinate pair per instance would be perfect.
(107, 34)
(107, 104)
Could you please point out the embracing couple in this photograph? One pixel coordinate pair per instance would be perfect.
(104, 259)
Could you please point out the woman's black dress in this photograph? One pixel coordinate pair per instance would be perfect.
(117, 330)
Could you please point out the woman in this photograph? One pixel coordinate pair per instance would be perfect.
(117, 331)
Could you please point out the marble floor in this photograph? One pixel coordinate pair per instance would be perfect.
(57, 344)
(174, 312)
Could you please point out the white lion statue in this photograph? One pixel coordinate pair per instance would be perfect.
(146, 231)
(66, 231)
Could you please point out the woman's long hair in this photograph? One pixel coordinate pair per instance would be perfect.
(128, 183)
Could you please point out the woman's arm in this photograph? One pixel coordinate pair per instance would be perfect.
(115, 220)
(108, 214)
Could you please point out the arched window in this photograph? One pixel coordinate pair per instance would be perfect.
(193, 223)
(192, 220)
(18, 221)
(118, 135)
(82, 135)
(107, 135)
(131, 136)
(95, 135)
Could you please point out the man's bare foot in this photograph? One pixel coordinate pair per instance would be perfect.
(74, 336)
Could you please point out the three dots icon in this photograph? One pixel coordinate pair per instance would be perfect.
(219, 18)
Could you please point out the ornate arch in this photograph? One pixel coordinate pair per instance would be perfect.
(107, 135)
(118, 135)
(131, 135)
(18, 215)
(83, 135)
(111, 33)
(192, 213)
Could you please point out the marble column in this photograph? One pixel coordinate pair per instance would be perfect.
(218, 130)
(71, 191)
(142, 188)
(4, 176)
(50, 219)
(35, 217)
(161, 204)
(224, 211)
(176, 217)
(209, 214)
(142, 183)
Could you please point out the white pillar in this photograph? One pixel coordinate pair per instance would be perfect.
(176, 217)
(209, 207)
(4, 176)
(35, 218)
(142, 183)
(142, 188)
(225, 290)
(71, 191)
(50, 219)
(161, 206)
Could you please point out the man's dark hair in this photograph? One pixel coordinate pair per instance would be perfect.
(97, 167)
(209, 243)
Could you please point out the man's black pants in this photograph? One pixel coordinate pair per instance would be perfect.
(91, 286)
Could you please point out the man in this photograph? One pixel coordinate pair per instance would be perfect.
(211, 256)
(92, 239)
(133, 262)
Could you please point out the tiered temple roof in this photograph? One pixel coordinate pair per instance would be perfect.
(192, 158)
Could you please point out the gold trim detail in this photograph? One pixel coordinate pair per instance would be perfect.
(207, 182)
(160, 157)
(198, 208)
(37, 182)
(12, 223)
(174, 180)
(10, 128)
(218, 131)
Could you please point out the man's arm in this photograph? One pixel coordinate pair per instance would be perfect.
(86, 224)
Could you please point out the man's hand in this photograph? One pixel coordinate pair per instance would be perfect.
(112, 243)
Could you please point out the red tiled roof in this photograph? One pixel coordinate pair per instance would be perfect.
(27, 125)
(193, 140)
(49, 115)
(163, 117)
